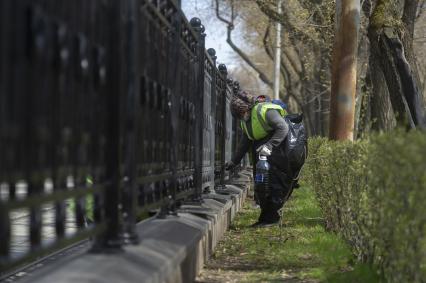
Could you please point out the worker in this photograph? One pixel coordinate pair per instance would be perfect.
(264, 132)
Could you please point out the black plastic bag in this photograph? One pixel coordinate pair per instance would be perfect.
(296, 144)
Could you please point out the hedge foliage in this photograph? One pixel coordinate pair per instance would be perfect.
(373, 192)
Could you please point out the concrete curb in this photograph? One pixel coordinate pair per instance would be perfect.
(172, 250)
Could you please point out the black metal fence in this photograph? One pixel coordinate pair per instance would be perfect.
(113, 101)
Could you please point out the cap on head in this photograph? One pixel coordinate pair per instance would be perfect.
(262, 98)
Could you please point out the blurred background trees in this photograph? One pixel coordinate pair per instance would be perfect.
(391, 66)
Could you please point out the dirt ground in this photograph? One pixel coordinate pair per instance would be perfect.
(232, 269)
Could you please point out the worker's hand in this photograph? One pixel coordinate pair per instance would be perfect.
(229, 165)
(264, 150)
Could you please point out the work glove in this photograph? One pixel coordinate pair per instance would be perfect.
(229, 165)
(296, 185)
(264, 150)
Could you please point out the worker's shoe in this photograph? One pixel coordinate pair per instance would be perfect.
(264, 224)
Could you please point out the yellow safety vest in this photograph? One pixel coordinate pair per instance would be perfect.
(259, 128)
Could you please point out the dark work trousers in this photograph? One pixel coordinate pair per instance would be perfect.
(280, 187)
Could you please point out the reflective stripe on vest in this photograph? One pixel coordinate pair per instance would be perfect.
(259, 128)
(247, 130)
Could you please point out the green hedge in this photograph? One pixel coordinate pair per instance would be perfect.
(373, 192)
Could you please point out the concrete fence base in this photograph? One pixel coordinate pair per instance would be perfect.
(171, 250)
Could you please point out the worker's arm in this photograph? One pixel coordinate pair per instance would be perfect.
(242, 149)
(279, 126)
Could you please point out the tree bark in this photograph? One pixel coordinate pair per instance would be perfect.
(387, 42)
(382, 54)
(408, 18)
(364, 124)
(362, 68)
(382, 116)
(343, 83)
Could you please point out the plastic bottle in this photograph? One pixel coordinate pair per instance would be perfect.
(262, 173)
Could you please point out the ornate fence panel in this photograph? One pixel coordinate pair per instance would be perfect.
(55, 137)
(108, 110)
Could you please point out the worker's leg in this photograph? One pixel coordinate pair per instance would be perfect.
(279, 190)
(262, 200)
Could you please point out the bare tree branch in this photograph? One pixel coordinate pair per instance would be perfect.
(265, 41)
(284, 69)
(298, 68)
(284, 19)
(242, 54)
(421, 8)
(218, 15)
(246, 58)
(409, 15)
(289, 67)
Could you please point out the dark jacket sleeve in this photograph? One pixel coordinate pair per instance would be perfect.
(242, 149)
(279, 125)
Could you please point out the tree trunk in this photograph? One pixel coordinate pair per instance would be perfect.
(386, 42)
(325, 90)
(408, 18)
(382, 54)
(382, 116)
(343, 83)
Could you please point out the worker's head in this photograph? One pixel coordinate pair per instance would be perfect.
(246, 96)
(240, 106)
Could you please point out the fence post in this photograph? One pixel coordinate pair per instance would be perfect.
(130, 129)
(234, 131)
(5, 230)
(212, 54)
(111, 239)
(199, 102)
(170, 205)
(224, 72)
